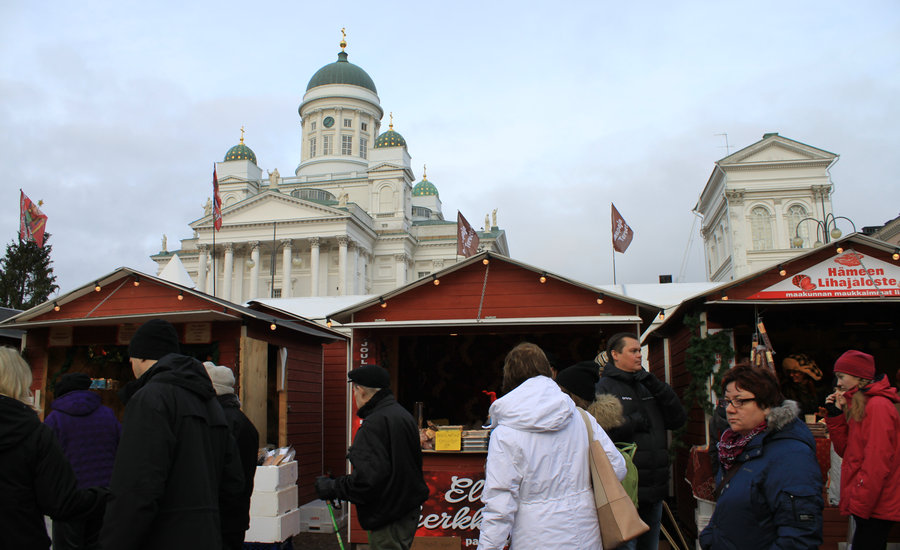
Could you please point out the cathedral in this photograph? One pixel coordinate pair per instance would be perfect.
(350, 221)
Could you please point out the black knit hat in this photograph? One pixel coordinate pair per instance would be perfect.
(154, 339)
(370, 376)
(580, 379)
(71, 381)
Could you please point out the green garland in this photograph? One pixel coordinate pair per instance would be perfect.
(702, 357)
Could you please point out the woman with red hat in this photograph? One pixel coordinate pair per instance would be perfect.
(865, 429)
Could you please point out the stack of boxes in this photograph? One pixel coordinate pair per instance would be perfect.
(274, 516)
(315, 518)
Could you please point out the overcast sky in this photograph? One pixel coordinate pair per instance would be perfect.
(113, 112)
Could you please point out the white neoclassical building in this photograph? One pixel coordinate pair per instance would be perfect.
(755, 200)
(349, 221)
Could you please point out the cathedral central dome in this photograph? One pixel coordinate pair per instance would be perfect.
(342, 72)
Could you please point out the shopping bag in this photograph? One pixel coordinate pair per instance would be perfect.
(630, 483)
(618, 517)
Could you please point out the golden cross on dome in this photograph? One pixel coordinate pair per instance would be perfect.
(424, 171)
(343, 38)
(391, 127)
(242, 134)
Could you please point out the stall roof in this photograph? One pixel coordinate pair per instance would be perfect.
(863, 255)
(635, 311)
(194, 306)
(316, 308)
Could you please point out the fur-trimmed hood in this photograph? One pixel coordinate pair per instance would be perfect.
(782, 415)
(607, 409)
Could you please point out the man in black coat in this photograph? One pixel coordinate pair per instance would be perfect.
(247, 438)
(650, 407)
(386, 484)
(177, 468)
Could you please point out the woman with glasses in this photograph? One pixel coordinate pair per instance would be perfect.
(865, 428)
(769, 486)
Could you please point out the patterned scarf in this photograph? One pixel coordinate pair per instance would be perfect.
(732, 444)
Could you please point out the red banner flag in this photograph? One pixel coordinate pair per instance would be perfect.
(621, 233)
(466, 237)
(32, 222)
(217, 202)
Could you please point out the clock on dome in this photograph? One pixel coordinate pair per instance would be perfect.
(328, 122)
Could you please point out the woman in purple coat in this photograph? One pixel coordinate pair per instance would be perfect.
(89, 435)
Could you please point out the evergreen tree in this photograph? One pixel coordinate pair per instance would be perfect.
(26, 274)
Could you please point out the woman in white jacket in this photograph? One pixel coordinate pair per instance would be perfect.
(537, 489)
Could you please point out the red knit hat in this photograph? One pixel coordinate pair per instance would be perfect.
(856, 363)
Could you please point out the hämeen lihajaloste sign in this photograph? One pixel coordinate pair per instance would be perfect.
(847, 275)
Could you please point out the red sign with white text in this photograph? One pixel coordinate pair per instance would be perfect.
(453, 508)
(848, 275)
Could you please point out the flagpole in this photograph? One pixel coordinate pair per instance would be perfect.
(214, 257)
(614, 266)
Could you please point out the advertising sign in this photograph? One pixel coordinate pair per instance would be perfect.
(454, 507)
(848, 275)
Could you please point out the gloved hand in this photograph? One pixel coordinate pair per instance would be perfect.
(639, 421)
(641, 376)
(652, 383)
(832, 410)
(325, 488)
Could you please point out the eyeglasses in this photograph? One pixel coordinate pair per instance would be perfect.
(737, 402)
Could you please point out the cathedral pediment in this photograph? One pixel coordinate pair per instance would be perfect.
(269, 206)
(775, 149)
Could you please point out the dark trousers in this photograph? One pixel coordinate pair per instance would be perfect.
(77, 534)
(871, 534)
(397, 535)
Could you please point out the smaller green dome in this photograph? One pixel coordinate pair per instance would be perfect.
(425, 189)
(390, 139)
(241, 152)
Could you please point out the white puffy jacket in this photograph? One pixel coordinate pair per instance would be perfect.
(537, 488)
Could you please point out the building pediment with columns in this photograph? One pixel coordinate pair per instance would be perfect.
(351, 220)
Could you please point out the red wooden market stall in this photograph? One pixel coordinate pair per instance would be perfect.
(443, 340)
(840, 296)
(278, 363)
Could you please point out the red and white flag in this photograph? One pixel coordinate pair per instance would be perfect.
(621, 233)
(217, 203)
(32, 222)
(466, 237)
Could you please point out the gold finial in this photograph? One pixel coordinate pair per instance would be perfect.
(242, 134)
(391, 126)
(424, 171)
(343, 38)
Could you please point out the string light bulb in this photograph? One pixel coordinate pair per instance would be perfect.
(272, 326)
(599, 299)
(543, 278)
(97, 286)
(382, 302)
(896, 255)
(56, 306)
(180, 295)
(487, 259)
(840, 249)
(328, 322)
(435, 280)
(137, 280)
(725, 297)
(662, 315)
(782, 271)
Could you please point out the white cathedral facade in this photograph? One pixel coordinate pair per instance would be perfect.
(350, 220)
(756, 204)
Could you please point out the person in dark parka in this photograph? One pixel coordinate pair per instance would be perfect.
(650, 408)
(386, 484)
(247, 438)
(177, 470)
(88, 433)
(35, 477)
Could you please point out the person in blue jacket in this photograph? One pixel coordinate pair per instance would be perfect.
(769, 485)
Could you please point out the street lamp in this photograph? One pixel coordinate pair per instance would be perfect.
(826, 233)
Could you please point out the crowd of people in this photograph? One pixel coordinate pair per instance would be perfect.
(178, 472)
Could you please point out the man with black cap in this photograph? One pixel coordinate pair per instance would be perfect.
(386, 483)
(177, 468)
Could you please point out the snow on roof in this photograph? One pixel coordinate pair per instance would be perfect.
(314, 307)
(664, 295)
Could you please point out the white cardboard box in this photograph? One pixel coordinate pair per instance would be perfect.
(273, 478)
(273, 503)
(314, 517)
(273, 529)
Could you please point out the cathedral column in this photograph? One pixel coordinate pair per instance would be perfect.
(354, 268)
(314, 266)
(202, 259)
(401, 268)
(286, 256)
(343, 241)
(228, 271)
(254, 271)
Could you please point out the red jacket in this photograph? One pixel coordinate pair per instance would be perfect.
(870, 474)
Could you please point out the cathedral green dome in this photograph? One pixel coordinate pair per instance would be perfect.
(342, 72)
(390, 139)
(241, 152)
(424, 189)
